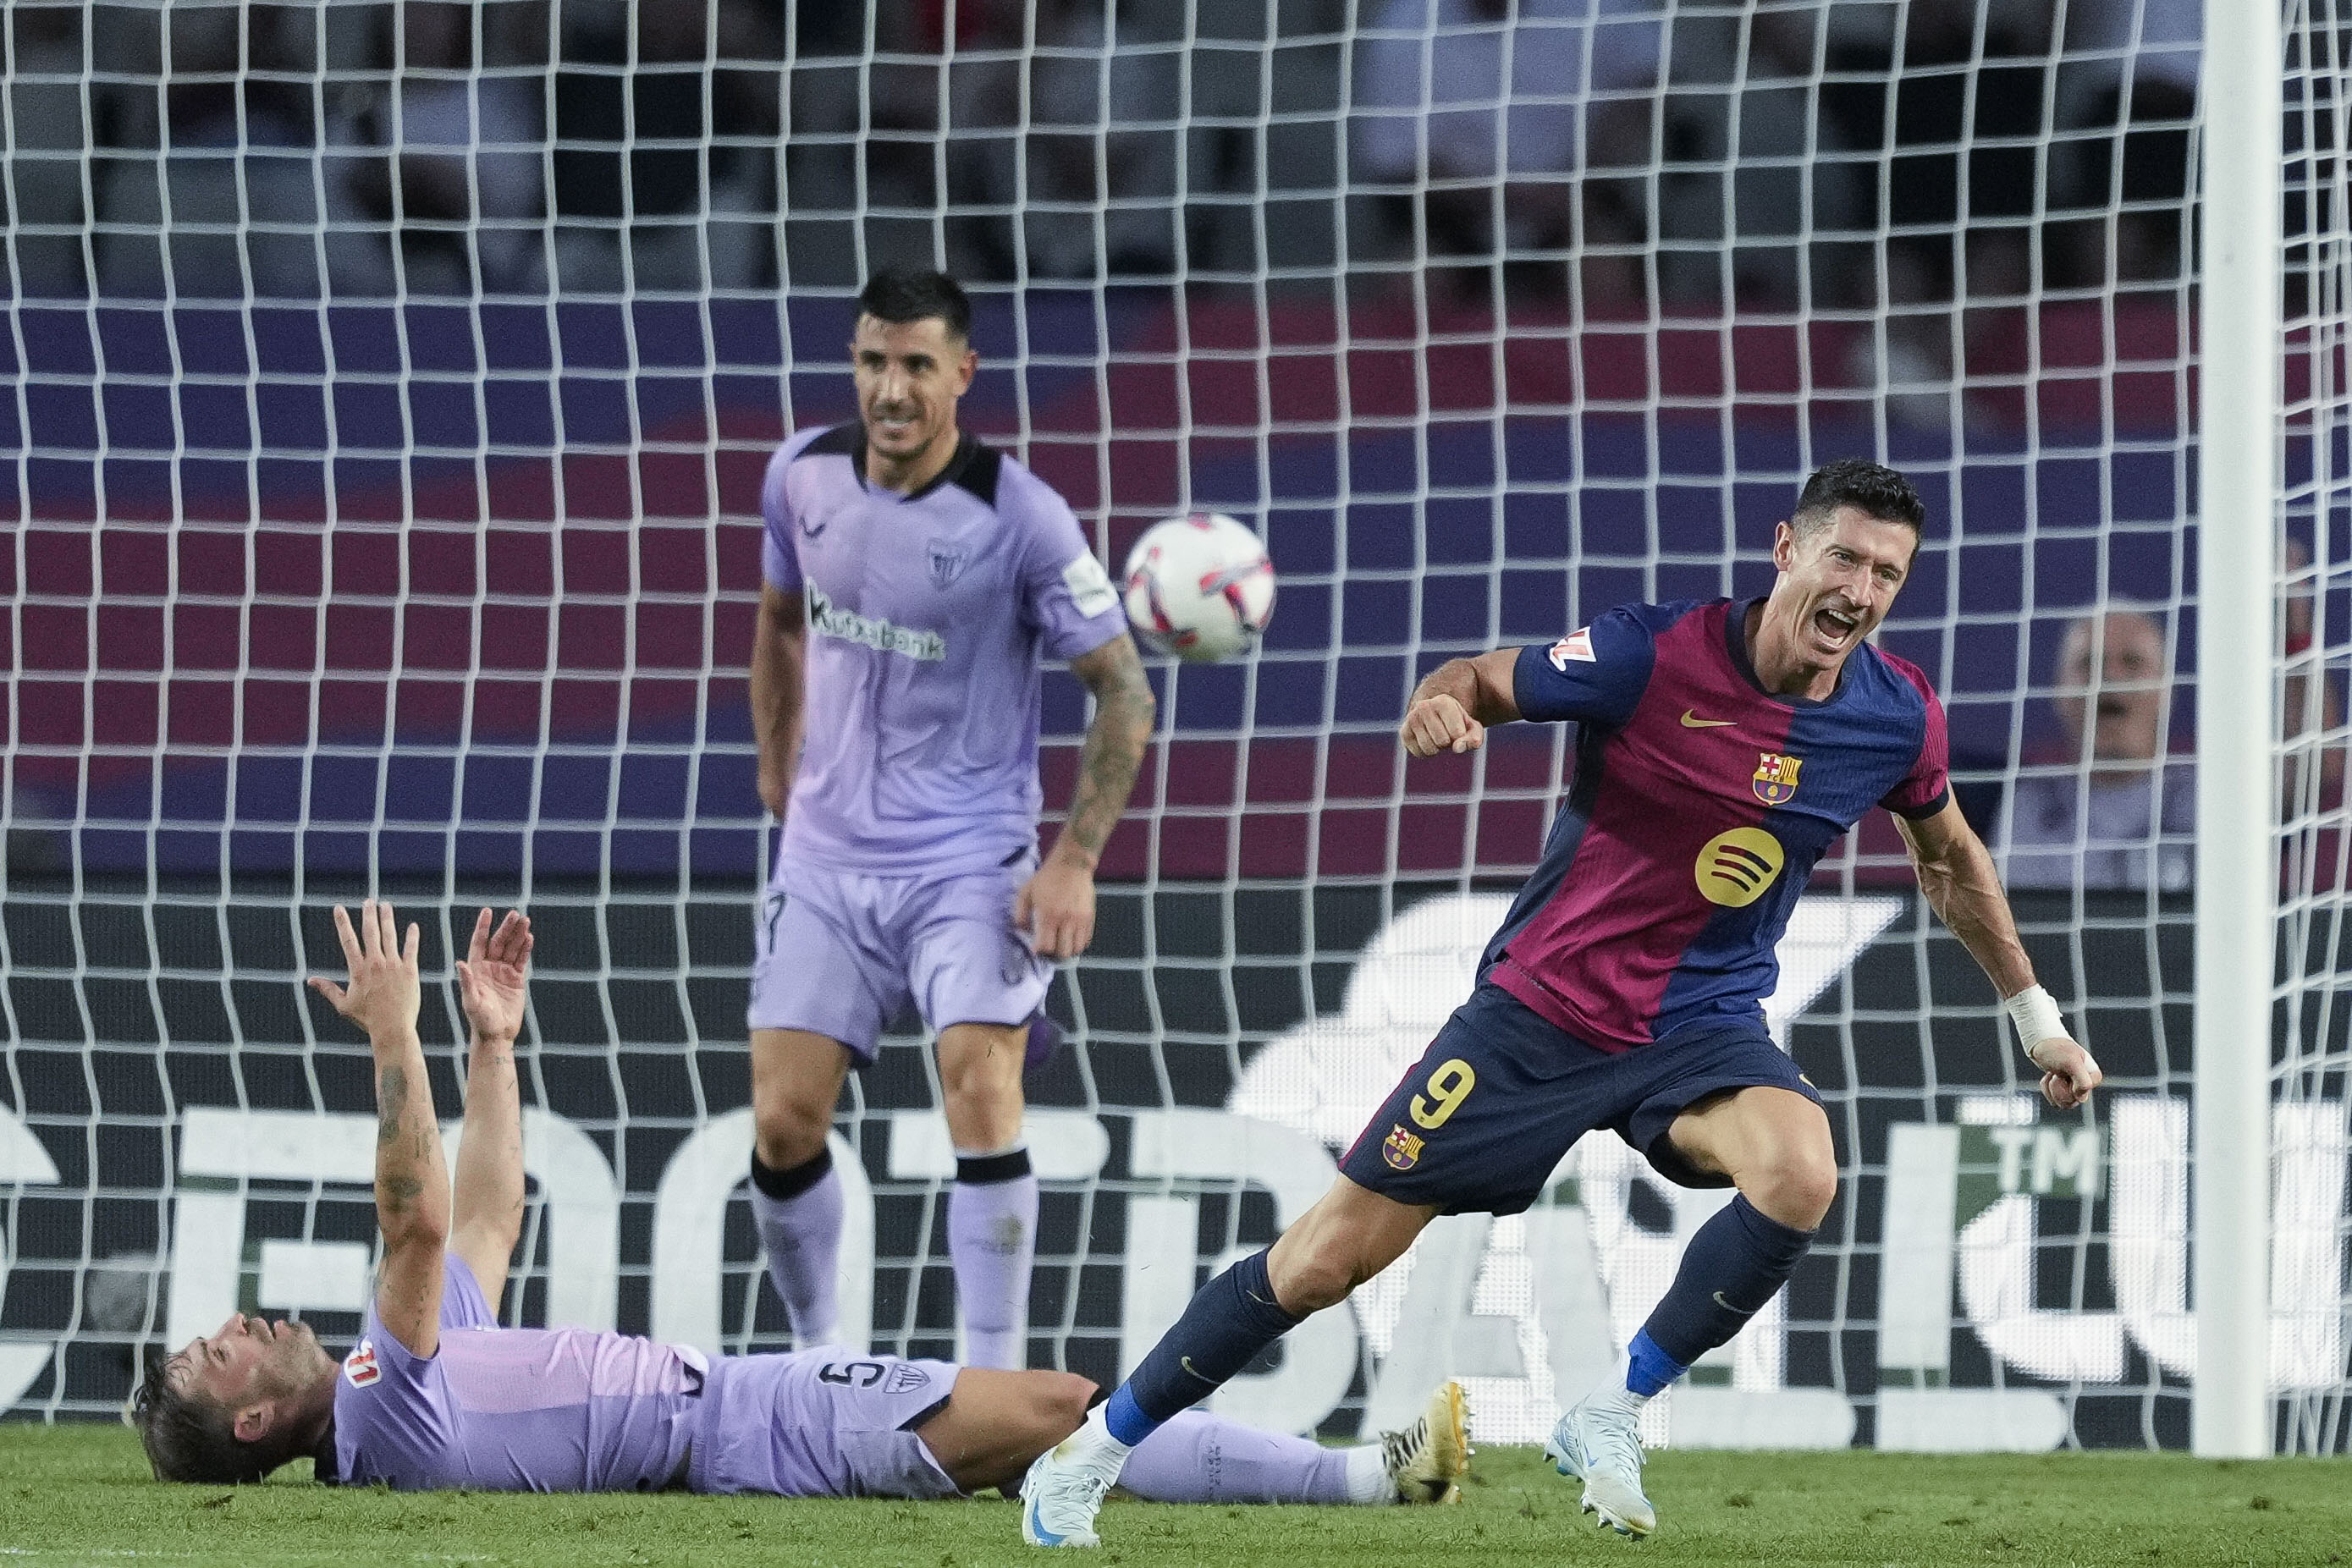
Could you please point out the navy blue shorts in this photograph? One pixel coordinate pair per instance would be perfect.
(1483, 1119)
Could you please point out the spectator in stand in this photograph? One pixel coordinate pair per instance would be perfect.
(229, 138)
(665, 121)
(1063, 136)
(2119, 805)
(2128, 94)
(1102, 132)
(2119, 811)
(2109, 41)
(454, 169)
(1435, 112)
(47, 148)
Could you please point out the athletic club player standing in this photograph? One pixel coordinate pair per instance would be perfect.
(1722, 749)
(915, 579)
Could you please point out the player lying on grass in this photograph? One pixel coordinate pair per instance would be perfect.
(437, 1394)
(1722, 748)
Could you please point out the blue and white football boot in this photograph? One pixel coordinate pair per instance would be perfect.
(1598, 1441)
(1064, 1490)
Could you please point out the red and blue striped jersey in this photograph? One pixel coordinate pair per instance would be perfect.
(1699, 805)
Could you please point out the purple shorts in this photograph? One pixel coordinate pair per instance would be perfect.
(839, 953)
(819, 1423)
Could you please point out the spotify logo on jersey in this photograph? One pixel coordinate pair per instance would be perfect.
(1737, 866)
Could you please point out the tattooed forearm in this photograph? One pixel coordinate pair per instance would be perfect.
(1115, 743)
(398, 1194)
(390, 1100)
(411, 1193)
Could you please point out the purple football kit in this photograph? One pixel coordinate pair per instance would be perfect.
(501, 1410)
(913, 818)
(569, 1410)
(1627, 982)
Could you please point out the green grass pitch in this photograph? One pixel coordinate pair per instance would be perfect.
(80, 1494)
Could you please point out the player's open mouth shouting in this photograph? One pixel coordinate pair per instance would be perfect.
(1835, 626)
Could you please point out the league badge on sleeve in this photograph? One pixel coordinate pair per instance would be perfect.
(1577, 645)
(1089, 585)
(1776, 778)
(1401, 1149)
(360, 1368)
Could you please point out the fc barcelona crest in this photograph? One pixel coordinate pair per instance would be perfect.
(947, 562)
(1776, 776)
(1402, 1149)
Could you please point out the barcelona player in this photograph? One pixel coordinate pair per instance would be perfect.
(1722, 747)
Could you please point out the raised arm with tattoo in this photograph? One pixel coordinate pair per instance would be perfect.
(778, 653)
(1057, 904)
(487, 1202)
(411, 1183)
(1956, 874)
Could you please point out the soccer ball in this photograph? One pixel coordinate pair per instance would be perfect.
(1199, 586)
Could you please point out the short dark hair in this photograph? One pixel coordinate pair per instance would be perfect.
(897, 296)
(188, 1437)
(1871, 488)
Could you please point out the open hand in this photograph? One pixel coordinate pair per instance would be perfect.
(2068, 1074)
(1439, 723)
(493, 977)
(383, 992)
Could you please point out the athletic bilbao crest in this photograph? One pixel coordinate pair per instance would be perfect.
(907, 1375)
(947, 562)
(1402, 1149)
(1776, 778)
(360, 1368)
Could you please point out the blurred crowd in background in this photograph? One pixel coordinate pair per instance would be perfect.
(1909, 159)
(1704, 154)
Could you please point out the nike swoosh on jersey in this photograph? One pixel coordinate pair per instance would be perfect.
(1186, 1362)
(1726, 1306)
(1692, 721)
(808, 532)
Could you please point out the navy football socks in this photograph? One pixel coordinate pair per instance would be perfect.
(1234, 1318)
(1730, 1269)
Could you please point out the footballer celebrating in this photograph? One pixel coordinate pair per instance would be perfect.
(437, 1394)
(1722, 749)
(915, 579)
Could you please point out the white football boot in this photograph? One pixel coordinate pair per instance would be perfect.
(1426, 1461)
(1598, 1441)
(1064, 1490)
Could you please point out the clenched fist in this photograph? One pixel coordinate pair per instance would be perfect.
(1439, 723)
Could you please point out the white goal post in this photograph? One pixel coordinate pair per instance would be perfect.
(2239, 549)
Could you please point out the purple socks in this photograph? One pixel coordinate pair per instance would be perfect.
(992, 1241)
(798, 1214)
(1195, 1457)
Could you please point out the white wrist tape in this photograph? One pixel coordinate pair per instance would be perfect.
(2035, 1018)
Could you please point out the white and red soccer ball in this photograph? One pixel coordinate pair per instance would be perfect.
(1200, 587)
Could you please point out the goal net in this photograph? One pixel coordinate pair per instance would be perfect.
(2310, 1065)
(390, 389)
